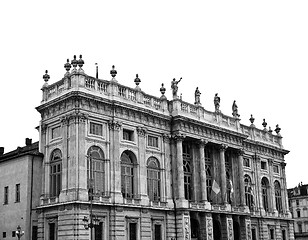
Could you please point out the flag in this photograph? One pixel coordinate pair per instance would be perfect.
(231, 186)
(215, 187)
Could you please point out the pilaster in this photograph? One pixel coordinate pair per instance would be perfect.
(222, 150)
(179, 166)
(142, 187)
(114, 132)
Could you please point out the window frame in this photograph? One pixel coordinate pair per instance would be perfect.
(55, 173)
(265, 193)
(152, 137)
(6, 195)
(128, 174)
(153, 179)
(96, 129)
(17, 193)
(128, 135)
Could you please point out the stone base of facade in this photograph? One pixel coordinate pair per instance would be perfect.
(67, 222)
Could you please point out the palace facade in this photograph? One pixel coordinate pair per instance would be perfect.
(122, 164)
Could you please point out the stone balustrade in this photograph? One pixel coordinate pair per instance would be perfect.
(112, 90)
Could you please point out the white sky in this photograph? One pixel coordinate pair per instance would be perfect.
(254, 52)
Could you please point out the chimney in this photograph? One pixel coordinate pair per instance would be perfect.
(28, 141)
(1, 150)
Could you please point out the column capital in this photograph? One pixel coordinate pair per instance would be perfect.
(283, 165)
(270, 161)
(141, 131)
(202, 142)
(240, 152)
(166, 138)
(257, 158)
(179, 137)
(77, 117)
(223, 147)
(43, 128)
(114, 125)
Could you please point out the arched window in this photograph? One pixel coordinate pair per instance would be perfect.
(248, 192)
(187, 171)
(55, 173)
(96, 170)
(278, 196)
(264, 188)
(153, 179)
(127, 174)
(208, 183)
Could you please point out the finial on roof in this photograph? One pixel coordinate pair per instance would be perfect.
(270, 130)
(80, 63)
(137, 80)
(264, 124)
(277, 130)
(113, 72)
(251, 119)
(67, 66)
(162, 90)
(46, 76)
(74, 62)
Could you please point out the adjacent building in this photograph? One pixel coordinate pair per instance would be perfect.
(20, 190)
(298, 202)
(122, 164)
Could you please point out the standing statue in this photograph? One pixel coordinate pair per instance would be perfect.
(197, 96)
(174, 87)
(217, 102)
(234, 110)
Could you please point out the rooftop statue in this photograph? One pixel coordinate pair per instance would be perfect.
(234, 110)
(174, 87)
(217, 102)
(197, 96)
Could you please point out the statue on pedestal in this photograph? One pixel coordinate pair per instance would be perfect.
(217, 102)
(197, 96)
(174, 87)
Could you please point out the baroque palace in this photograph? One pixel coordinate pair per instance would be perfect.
(121, 164)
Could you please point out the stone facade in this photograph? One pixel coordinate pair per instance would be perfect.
(298, 202)
(148, 168)
(20, 188)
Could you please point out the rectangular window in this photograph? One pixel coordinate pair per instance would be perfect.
(128, 135)
(34, 233)
(6, 195)
(272, 234)
(98, 231)
(96, 129)
(55, 132)
(275, 169)
(157, 232)
(297, 202)
(4, 234)
(246, 162)
(13, 233)
(52, 231)
(263, 165)
(17, 193)
(298, 213)
(300, 230)
(153, 141)
(254, 234)
(132, 231)
(284, 236)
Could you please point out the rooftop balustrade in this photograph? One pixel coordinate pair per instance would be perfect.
(78, 81)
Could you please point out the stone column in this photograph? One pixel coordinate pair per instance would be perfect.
(65, 155)
(179, 166)
(241, 177)
(223, 183)
(248, 228)
(284, 193)
(202, 143)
